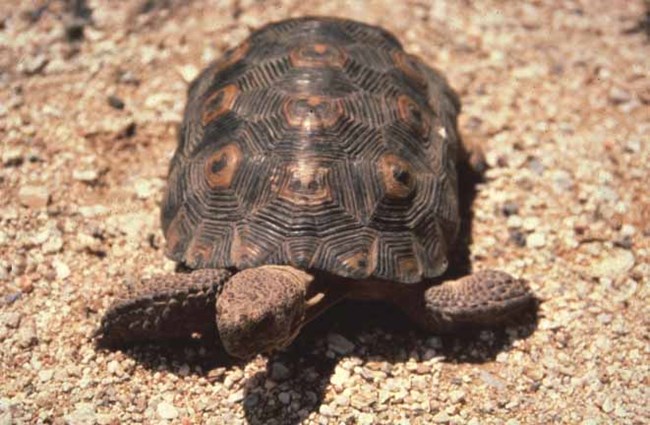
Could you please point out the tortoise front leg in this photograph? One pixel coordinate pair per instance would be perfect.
(484, 298)
(164, 307)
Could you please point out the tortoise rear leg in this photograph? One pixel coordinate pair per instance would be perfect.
(484, 298)
(164, 307)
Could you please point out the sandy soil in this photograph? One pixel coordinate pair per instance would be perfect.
(556, 91)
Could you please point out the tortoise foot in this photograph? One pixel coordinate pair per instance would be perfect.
(484, 298)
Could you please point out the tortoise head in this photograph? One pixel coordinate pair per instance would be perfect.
(262, 309)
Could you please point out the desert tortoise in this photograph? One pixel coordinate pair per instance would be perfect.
(316, 161)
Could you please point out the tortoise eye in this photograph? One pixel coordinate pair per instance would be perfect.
(397, 177)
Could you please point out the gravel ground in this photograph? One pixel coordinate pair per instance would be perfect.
(556, 91)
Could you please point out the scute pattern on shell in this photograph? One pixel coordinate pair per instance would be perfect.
(317, 143)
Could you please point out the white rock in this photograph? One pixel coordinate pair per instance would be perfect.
(12, 157)
(530, 223)
(607, 405)
(326, 410)
(365, 419)
(93, 210)
(86, 176)
(45, 375)
(456, 396)
(188, 72)
(536, 240)
(627, 230)
(84, 414)
(167, 410)
(441, 418)
(54, 242)
(144, 189)
(614, 263)
(10, 319)
(236, 397)
(34, 196)
(340, 377)
(26, 335)
(61, 269)
(514, 222)
(114, 368)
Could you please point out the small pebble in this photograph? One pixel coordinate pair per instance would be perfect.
(284, 397)
(114, 368)
(25, 284)
(188, 72)
(365, 419)
(633, 146)
(562, 180)
(536, 166)
(166, 410)
(34, 65)
(279, 372)
(128, 77)
(536, 240)
(115, 102)
(339, 344)
(86, 176)
(326, 410)
(54, 242)
(618, 96)
(530, 224)
(510, 208)
(83, 414)
(492, 380)
(340, 377)
(10, 319)
(144, 189)
(12, 158)
(252, 400)
(456, 396)
(236, 397)
(607, 405)
(614, 264)
(184, 370)
(26, 336)
(61, 269)
(441, 417)
(434, 342)
(517, 237)
(45, 375)
(34, 196)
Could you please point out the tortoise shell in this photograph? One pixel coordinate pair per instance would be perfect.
(317, 143)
